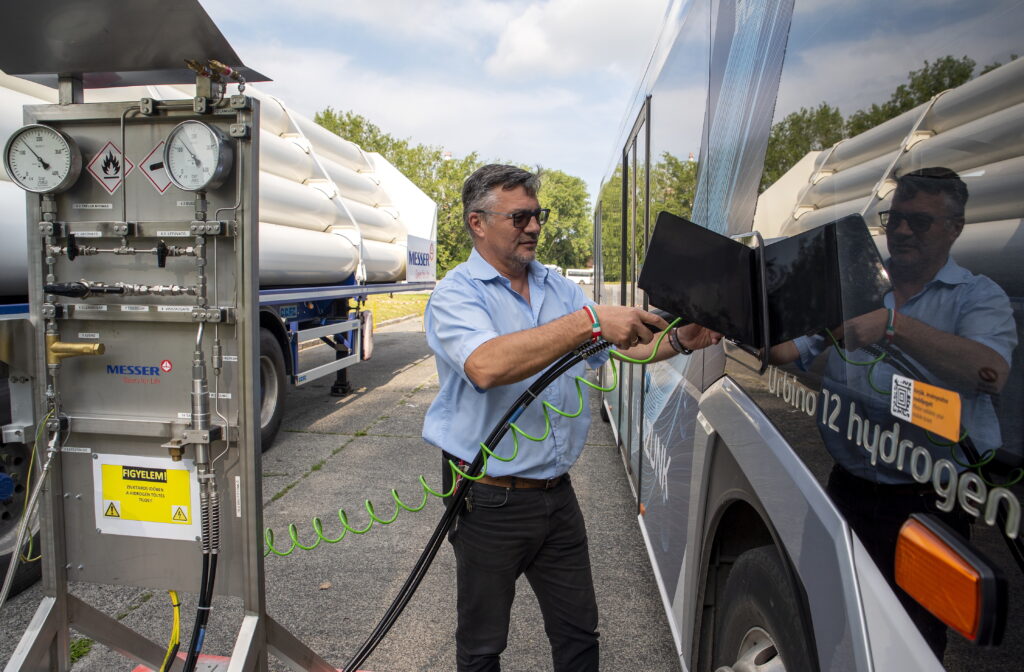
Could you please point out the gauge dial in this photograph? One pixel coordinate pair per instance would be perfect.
(197, 156)
(42, 160)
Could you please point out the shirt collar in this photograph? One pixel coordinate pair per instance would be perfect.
(481, 269)
(952, 273)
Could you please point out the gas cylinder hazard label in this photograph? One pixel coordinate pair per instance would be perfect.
(146, 496)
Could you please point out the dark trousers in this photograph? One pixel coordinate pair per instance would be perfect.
(504, 533)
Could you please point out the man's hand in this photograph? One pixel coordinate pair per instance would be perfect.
(695, 337)
(863, 330)
(513, 357)
(625, 326)
(691, 336)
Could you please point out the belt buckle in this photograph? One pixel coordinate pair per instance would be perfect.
(551, 482)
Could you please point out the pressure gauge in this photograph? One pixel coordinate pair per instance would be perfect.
(42, 160)
(197, 156)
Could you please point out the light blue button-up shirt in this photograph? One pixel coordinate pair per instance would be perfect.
(955, 301)
(470, 306)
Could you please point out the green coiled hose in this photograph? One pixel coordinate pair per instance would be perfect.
(427, 491)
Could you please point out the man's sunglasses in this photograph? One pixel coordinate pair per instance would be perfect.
(919, 222)
(521, 218)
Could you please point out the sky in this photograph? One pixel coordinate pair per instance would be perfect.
(535, 82)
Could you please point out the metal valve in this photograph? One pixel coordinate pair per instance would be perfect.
(57, 350)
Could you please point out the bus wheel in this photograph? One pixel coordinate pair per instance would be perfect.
(272, 387)
(759, 625)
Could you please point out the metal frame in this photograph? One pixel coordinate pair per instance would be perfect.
(271, 297)
(45, 644)
(303, 377)
(631, 205)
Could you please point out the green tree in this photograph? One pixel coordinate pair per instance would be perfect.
(673, 186)
(806, 130)
(945, 73)
(817, 128)
(610, 204)
(567, 238)
(439, 175)
(992, 66)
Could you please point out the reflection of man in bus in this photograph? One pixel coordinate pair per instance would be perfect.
(494, 323)
(956, 328)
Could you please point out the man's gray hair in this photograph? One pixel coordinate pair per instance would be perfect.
(935, 180)
(477, 189)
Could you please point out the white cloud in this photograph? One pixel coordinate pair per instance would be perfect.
(567, 37)
(525, 124)
(463, 107)
(446, 22)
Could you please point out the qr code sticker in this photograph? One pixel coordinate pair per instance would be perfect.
(902, 396)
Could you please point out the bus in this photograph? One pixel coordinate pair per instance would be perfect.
(581, 276)
(838, 484)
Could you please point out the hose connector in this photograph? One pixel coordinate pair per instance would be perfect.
(56, 350)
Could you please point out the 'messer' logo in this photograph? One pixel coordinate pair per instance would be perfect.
(419, 258)
(132, 370)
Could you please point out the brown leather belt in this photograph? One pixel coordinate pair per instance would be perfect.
(520, 482)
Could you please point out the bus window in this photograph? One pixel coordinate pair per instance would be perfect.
(781, 119)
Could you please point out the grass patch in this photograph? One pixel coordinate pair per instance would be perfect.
(284, 491)
(80, 648)
(316, 467)
(319, 465)
(143, 598)
(391, 306)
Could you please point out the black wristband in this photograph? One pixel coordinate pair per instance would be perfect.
(673, 340)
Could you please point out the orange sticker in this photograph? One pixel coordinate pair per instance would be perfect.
(927, 406)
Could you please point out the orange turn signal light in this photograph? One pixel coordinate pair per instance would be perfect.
(951, 580)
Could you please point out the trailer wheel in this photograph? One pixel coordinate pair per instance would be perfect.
(759, 626)
(14, 462)
(272, 387)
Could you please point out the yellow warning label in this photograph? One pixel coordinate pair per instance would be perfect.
(139, 474)
(933, 408)
(146, 494)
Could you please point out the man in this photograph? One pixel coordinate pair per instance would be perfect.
(495, 322)
(956, 328)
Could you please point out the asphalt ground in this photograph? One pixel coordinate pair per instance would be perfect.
(333, 453)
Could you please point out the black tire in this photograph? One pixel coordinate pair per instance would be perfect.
(759, 623)
(604, 413)
(14, 462)
(273, 382)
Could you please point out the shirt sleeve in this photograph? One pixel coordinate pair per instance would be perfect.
(986, 317)
(809, 347)
(457, 323)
